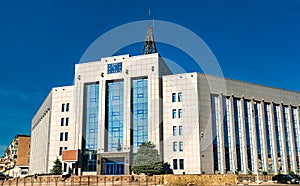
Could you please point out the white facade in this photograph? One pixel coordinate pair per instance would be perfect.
(52, 129)
(199, 123)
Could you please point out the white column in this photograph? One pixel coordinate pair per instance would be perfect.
(223, 163)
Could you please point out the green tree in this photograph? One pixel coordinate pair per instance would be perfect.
(57, 167)
(147, 160)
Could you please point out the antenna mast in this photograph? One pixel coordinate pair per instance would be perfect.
(149, 45)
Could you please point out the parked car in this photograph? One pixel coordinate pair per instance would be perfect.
(3, 176)
(284, 178)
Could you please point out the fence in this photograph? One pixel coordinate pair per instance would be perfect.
(85, 181)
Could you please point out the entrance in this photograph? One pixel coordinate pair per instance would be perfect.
(114, 167)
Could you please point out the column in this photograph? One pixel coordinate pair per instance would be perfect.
(264, 151)
(281, 124)
(291, 131)
(222, 149)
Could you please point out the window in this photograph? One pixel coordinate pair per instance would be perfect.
(173, 97)
(68, 107)
(174, 113)
(181, 164)
(180, 131)
(61, 136)
(66, 148)
(179, 113)
(174, 146)
(174, 130)
(66, 136)
(179, 97)
(181, 146)
(63, 107)
(60, 151)
(62, 121)
(175, 166)
(67, 121)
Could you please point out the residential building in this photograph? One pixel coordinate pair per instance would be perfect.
(16, 157)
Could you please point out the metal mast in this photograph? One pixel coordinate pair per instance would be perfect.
(149, 46)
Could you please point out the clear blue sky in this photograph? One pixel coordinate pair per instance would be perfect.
(255, 41)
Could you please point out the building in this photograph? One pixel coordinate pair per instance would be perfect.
(52, 129)
(199, 123)
(16, 157)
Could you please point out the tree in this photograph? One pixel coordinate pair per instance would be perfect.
(57, 167)
(147, 160)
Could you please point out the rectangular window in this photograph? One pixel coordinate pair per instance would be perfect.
(60, 151)
(179, 113)
(66, 136)
(173, 97)
(174, 146)
(181, 164)
(175, 166)
(63, 107)
(174, 130)
(68, 107)
(180, 131)
(67, 122)
(174, 113)
(61, 136)
(62, 121)
(181, 146)
(179, 97)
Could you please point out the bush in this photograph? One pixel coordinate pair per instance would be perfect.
(264, 173)
(291, 173)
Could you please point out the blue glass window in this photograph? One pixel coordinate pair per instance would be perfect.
(67, 107)
(67, 122)
(60, 151)
(61, 137)
(181, 146)
(174, 130)
(114, 118)
(286, 122)
(139, 112)
(174, 113)
(259, 135)
(269, 137)
(174, 146)
(179, 113)
(173, 97)
(180, 130)
(179, 97)
(249, 129)
(295, 124)
(66, 136)
(62, 121)
(91, 105)
(181, 164)
(216, 127)
(63, 107)
(175, 166)
(238, 132)
(279, 138)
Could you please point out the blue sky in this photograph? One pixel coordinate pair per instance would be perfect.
(255, 41)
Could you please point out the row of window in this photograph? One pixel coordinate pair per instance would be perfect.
(174, 113)
(64, 136)
(177, 97)
(64, 122)
(180, 130)
(175, 146)
(61, 149)
(65, 107)
(175, 164)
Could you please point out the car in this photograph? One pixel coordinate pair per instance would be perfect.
(3, 176)
(285, 178)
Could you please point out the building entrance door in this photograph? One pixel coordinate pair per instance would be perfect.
(114, 167)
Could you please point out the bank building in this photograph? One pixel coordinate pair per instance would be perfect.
(96, 125)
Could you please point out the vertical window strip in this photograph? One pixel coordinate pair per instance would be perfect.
(296, 136)
(279, 138)
(249, 137)
(269, 137)
(286, 123)
(216, 132)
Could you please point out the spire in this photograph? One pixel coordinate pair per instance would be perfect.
(149, 46)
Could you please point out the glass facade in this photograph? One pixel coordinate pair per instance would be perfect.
(238, 134)
(259, 136)
(91, 110)
(279, 138)
(288, 140)
(269, 138)
(295, 124)
(139, 112)
(248, 131)
(114, 116)
(216, 125)
(228, 143)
